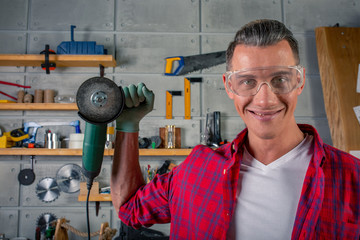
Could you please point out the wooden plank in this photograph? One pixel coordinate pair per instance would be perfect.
(338, 51)
(40, 152)
(78, 152)
(63, 60)
(39, 106)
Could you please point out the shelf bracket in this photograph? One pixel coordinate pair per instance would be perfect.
(101, 70)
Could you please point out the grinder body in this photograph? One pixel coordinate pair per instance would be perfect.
(93, 149)
(100, 101)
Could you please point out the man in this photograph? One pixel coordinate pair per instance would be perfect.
(276, 180)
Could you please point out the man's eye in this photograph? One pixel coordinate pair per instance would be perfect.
(278, 81)
(248, 82)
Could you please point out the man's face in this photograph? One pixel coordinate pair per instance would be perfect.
(266, 114)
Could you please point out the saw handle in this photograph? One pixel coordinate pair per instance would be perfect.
(169, 67)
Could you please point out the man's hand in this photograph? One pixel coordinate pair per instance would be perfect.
(139, 101)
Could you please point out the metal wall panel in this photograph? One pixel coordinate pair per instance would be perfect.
(9, 185)
(307, 52)
(214, 43)
(311, 101)
(306, 15)
(13, 14)
(144, 53)
(216, 98)
(87, 15)
(9, 222)
(228, 16)
(157, 16)
(13, 43)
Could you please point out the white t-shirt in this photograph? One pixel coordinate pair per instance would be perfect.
(268, 195)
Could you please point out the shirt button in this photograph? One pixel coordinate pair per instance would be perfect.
(224, 172)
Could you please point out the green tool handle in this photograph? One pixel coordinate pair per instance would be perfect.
(93, 150)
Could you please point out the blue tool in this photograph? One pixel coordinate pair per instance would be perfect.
(35, 126)
(80, 47)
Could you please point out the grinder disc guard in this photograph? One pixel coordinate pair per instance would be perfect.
(100, 100)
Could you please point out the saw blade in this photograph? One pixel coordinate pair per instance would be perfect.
(44, 221)
(69, 177)
(47, 189)
(99, 100)
(194, 63)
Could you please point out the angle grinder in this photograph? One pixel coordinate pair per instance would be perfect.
(100, 101)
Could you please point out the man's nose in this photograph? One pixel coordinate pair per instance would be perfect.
(265, 96)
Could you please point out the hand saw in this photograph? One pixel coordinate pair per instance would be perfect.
(193, 63)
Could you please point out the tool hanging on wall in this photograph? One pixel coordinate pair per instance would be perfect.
(68, 177)
(27, 175)
(169, 102)
(179, 65)
(47, 189)
(187, 95)
(45, 220)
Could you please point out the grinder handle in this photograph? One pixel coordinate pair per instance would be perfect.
(93, 149)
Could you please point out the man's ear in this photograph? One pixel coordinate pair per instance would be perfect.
(300, 89)
(229, 93)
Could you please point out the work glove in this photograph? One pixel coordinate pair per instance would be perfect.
(139, 101)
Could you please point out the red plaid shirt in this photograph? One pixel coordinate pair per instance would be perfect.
(198, 197)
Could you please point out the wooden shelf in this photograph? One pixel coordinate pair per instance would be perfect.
(61, 60)
(39, 106)
(95, 196)
(78, 152)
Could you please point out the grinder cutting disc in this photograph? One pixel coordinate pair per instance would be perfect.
(68, 178)
(99, 100)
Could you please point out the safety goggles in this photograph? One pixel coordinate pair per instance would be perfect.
(280, 79)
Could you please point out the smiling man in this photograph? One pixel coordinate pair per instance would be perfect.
(275, 180)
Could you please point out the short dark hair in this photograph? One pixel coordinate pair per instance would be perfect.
(262, 32)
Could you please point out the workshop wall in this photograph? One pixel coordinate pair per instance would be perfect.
(140, 34)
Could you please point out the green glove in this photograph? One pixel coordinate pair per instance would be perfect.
(139, 101)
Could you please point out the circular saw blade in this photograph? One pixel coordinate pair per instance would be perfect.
(47, 189)
(99, 100)
(44, 221)
(69, 177)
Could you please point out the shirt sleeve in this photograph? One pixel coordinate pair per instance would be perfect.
(149, 205)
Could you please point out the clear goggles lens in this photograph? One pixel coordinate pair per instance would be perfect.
(281, 80)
